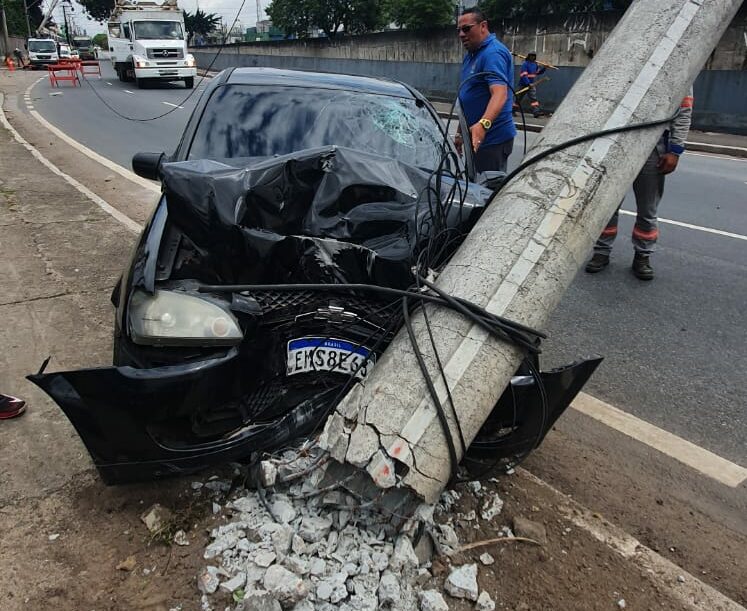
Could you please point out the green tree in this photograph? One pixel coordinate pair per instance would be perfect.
(101, 40)
(499, 9)
(17, 20)
(99, 10)
(296, 17)
(417, 14)
(200, 22)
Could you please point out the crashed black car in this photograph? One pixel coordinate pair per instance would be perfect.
(224, 343)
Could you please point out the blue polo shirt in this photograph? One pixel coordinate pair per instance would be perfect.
(492, 56)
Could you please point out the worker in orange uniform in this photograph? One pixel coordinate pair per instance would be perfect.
(648, 188)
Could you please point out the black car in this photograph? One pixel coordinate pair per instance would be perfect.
(255, 296)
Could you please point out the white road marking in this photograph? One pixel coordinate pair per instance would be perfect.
(692, 593)
(106, 207)
(695, 457)
(29, 106)
(717, 156)
(130, 92)
(727, 234)
(108, 83)
(170, 104)
(115, 167)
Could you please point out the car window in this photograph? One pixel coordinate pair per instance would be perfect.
(253, 121)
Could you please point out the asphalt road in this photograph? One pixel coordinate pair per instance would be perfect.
(675, 348)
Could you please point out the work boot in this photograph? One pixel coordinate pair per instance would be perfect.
(642, 267)
(597, 263)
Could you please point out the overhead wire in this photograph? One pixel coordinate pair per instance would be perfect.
(191, 93)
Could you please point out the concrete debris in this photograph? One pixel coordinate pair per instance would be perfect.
(621, 603)
(484, 602)
(216, 509)
(156, 518)
(288, 588)
(268, 473)
(491, 508)
(264, 558)
(524, 527)
(404, 555)
(505, 531)
(333, 589)
(180, 538)
(487, 559)
(207, 580)
(462, 582)
(234, 583)
(54, 537)
(259, 601)
(197, 485)
(314, 529)
(389, 591)
(475, 487)
(432, 600)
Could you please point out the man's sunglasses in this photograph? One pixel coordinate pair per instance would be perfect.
(466, 28)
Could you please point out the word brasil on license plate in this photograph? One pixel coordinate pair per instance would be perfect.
(323, 354)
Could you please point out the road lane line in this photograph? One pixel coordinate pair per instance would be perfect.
(108, 83)
(727, 234)
(692, 593)
(130, 92)
(686, 452)
(106, 207)
(115, 167)
(174, 105)
(717, 156)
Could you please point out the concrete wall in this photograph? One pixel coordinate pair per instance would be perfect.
(429, 60)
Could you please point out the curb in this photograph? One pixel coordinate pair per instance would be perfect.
(703, 147)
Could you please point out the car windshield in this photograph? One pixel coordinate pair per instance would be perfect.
(42, 46)
(81, 43)
(158, 30)
(263, 121)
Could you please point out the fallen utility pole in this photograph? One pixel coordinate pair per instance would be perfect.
(524, 252)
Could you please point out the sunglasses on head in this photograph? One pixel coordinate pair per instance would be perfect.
(466, 28)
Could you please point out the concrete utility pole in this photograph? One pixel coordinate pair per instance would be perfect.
(6, 41)
(524, 252)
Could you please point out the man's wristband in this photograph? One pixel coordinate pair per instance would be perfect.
(677, 149)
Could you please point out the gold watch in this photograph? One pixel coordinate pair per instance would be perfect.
(486, 123)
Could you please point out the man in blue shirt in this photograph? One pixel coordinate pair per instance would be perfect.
(530, 70)
(486, 100)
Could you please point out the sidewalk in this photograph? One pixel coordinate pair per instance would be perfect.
(707, 142)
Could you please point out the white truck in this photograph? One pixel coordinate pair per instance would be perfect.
(42, 51)
(147, 42)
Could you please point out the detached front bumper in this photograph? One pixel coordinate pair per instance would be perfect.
(135, 423)
(138, 424)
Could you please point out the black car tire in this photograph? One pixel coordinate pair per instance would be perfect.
(189, 82)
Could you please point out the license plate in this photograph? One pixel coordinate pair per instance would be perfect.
(308, 354)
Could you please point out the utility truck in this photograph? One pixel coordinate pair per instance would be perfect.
(147, 43)
(42, 51)
(84, 46)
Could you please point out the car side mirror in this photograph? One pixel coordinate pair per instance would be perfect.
(148, 165)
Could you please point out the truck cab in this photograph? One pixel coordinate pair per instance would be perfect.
(42, 51)
(147, 42)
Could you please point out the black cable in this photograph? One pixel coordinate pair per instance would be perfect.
(592, 136)
(191, 93)
(454, 460)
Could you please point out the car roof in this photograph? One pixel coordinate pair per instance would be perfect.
(299, 78)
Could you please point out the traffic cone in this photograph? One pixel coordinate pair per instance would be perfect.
(10, 63)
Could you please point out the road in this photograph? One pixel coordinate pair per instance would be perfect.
(674, 348)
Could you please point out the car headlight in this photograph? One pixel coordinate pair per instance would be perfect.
(190, 60)
(176, 319)
(140, 62)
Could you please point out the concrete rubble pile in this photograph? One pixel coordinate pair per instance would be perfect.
(300, 542)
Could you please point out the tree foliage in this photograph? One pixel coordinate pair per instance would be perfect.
(17, 20)
(417, 14)
(200, 22)
(297, 17)
(99, 10)
(101, 40)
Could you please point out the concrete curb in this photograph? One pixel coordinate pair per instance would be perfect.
(703, 147)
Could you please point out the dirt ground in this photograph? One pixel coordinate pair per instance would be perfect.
(63, 533)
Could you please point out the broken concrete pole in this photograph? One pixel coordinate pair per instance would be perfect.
(524, 252)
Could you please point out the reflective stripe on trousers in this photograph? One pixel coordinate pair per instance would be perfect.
(648, 188)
